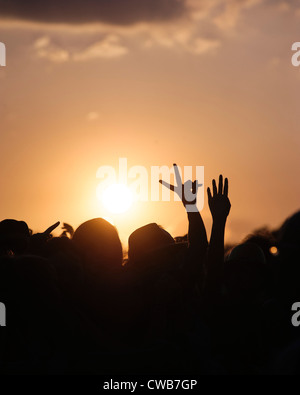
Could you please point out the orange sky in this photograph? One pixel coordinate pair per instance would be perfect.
(211, 86)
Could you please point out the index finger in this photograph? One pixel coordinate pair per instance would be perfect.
(167, 185)
(51, 228)
(177, 175)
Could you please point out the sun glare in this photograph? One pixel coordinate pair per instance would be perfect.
(117, 198)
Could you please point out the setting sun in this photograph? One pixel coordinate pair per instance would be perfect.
(117, 198)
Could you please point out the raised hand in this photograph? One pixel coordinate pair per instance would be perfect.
(51, 228)
(37, 240)
(68, 230)
(219, 206)
(197, 238)
(218, 202)
(187, 191)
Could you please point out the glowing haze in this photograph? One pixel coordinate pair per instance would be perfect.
(207, 83)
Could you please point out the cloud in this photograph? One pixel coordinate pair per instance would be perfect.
(42, 42)
(183, 39)
(119, 12)
(46, 49)
(194, 26)
(284, 6)
(109, 47)
(229, 13)
(201, 45)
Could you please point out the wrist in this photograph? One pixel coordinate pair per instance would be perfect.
(221, 221)
(191, 208)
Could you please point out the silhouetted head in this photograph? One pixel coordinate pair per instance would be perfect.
(147, 240)
(98, 243)
(14, 236)
(289, 233)
(247, 252)
(265, 239)
(288, 257)
(245, 268)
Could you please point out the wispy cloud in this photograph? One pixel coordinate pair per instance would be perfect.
(201, 45)
(107, 48)
(44, 48)
(198, 27)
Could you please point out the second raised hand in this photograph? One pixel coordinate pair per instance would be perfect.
(187, 191)
(218, 201)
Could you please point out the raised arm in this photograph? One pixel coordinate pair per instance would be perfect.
(38, 240)
(188, 193)
(219, 206)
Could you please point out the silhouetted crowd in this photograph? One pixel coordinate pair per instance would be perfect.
(77, 304)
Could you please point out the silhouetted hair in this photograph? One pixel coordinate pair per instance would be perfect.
(14, 236)
(290, 230)
(98, 240)
(147, 239)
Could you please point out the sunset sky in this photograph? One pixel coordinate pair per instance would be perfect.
(194, 82)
